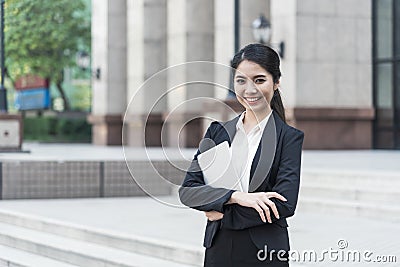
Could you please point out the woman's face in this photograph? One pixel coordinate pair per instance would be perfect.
(254, 86)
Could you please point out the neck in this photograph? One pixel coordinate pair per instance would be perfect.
(252, 118)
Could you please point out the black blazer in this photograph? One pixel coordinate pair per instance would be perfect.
(276, 169)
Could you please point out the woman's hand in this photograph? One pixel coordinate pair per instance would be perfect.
(260, 201)
(214, 215)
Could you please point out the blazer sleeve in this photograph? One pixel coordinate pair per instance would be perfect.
(193, 192)
(287, 184)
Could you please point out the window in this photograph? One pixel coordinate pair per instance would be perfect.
(386, 67)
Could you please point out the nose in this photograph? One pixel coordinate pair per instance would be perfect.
(251, 88)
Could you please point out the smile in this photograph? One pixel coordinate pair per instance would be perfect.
(252, 99)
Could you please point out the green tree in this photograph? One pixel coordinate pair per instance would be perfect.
(42, 37)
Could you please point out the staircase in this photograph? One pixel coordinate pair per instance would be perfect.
(371, 194)
(33, 241)
(28, 240)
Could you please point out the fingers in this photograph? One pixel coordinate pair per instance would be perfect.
(272, 204)
(263, 205)
(273, 207)
(209, 215)
(275, 195)
(261, 202)
(266, 211)
(260, 211)
(214, 215)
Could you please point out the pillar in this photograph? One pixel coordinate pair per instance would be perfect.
(191, 38)
(147, 55)
(109, 56)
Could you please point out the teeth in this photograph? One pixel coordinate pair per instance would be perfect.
(252, 99)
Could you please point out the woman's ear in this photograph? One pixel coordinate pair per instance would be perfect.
(277, 84)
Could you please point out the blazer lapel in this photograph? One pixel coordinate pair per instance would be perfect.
(230, 128)
(227, 134)
(265, 155)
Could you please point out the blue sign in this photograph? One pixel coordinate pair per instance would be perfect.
(31, 99)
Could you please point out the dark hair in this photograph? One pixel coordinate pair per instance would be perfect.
(269, 60)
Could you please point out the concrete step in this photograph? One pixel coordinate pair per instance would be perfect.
(353, 179)
(162, 249)
(348, 193)
(375, 210)
(73, 251)
(12, 257)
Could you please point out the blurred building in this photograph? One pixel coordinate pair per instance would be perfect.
(340, 84)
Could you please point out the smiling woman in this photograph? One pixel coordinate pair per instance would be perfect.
(257, 79)
(254, 88)
(248, 227)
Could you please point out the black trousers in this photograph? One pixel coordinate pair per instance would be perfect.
(234, 248)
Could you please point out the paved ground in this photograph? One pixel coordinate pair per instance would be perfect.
(146, 216)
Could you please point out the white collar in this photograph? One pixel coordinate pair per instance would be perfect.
(260, 126)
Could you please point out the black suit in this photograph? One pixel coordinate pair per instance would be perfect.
(275, 169)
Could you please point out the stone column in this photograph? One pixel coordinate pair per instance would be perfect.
(109, 56)
(283, 24)
(155, 55)
(147, 55)
(191, 38)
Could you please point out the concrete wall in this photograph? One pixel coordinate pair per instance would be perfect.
(334, 44)
(82, 179)
(327, 70)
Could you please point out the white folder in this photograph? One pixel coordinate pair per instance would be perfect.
(217, 168)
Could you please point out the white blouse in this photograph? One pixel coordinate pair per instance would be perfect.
(244, 147)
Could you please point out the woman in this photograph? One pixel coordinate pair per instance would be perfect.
(248, 227)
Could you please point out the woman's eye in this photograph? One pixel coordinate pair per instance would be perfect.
(258, 81)
(240, 81)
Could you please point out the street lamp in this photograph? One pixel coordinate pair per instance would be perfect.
(83, 62)
(3, 90)
(261, 30)
(262, 34)
(236, 27)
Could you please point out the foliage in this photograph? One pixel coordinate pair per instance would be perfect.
(42, 37)
(53, 129)
(82, 97)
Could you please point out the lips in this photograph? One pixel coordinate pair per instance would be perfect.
(252, 99)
